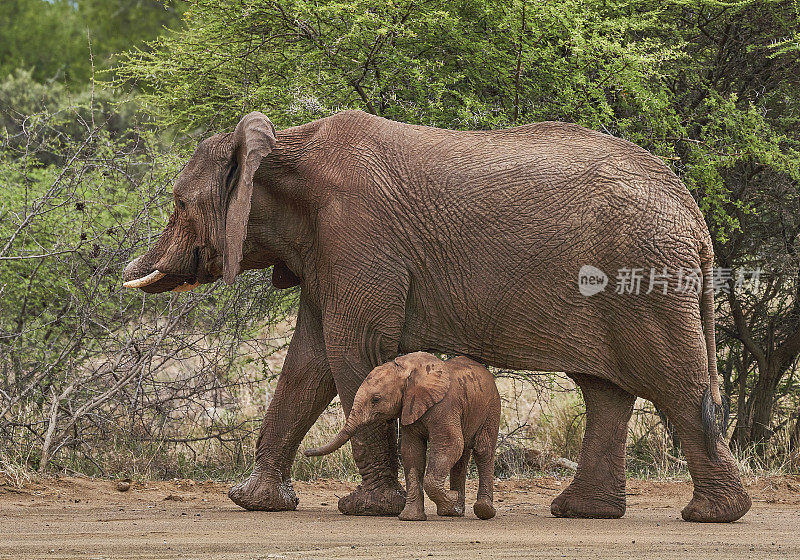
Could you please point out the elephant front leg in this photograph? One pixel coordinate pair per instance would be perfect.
(413, 452)
(598, 489)
(458, 480)
(446, 450)
(305, 387)
(375, 453)
(362, 327)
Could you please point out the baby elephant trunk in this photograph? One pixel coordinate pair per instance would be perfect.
(339, 440)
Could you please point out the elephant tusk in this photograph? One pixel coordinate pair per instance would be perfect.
(154, 276)
(186, 287)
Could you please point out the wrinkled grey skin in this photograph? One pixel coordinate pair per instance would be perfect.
(408, 238)
(447, 410)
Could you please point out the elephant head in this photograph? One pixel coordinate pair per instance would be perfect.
(205, 238)
(406, 387)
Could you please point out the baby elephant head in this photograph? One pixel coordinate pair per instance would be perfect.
(406, 387)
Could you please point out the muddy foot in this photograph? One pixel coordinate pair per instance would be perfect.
(412, 513)
(451, 506)
(382, 501)
(483, 509)
(704, 509)
(574, 503)
(257, 493)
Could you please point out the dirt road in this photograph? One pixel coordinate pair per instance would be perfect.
(91, 519)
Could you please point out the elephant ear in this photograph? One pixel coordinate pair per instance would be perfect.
(253, 139)
(427, 384)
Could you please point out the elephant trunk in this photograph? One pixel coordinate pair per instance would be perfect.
(339, 439)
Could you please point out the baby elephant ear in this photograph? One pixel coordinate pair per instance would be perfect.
(253, 139)
(428, 383)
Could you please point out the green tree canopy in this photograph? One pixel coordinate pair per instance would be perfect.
(52, 37)
(675, 77)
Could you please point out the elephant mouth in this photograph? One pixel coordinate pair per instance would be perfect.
(156, 281)
(151, 278)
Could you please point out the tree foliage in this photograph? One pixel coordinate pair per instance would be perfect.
(94, 376)
(466, 64)
(62, 39)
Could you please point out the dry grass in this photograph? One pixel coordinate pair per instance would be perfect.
(14, 474)
(543, 420)
(339, 464)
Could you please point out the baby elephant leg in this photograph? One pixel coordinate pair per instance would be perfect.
(485, 443)
(458, 480)
(445, 451)
(412, 452)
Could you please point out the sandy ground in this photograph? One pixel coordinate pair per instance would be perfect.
(91, 519)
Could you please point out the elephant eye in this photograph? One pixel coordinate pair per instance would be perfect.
(181, 204)
(231, 174)
(376, 398)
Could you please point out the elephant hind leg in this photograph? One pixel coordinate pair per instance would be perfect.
(663, 358)
(718, 493)
(598, 489)
(484, 450)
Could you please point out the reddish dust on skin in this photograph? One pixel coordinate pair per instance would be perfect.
(83, 518)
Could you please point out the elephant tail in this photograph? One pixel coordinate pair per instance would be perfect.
(712, 408)
(712, 414)
(707, 313)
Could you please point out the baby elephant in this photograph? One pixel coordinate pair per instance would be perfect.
(455, 405)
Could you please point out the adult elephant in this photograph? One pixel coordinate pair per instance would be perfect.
(406, 238)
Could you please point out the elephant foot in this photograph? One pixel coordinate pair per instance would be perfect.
(451, 504)
(388, 500)
(717, 509)
(413, 512)
(592, 504)
(483, 509)
(260, 494)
